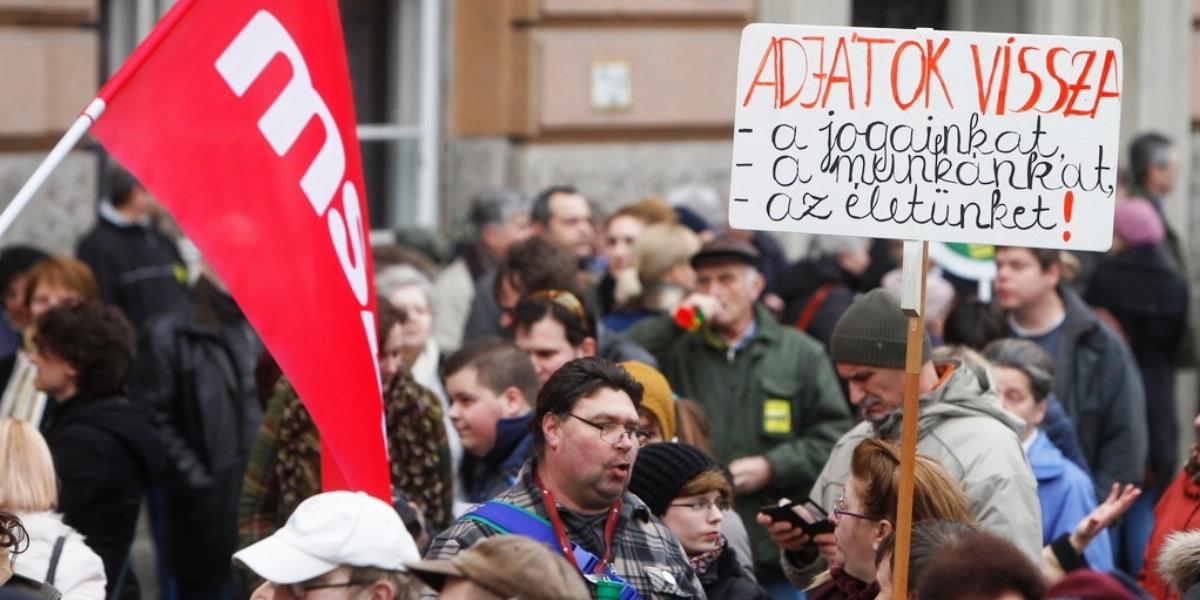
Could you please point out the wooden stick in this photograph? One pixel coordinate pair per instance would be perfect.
(916, 263)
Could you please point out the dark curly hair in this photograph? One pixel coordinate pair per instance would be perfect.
(575, 380)
(13, 536)
(93, 337)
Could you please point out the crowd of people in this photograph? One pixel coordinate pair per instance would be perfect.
(648, 405)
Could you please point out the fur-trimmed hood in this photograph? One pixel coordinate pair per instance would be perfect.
(1179, 560)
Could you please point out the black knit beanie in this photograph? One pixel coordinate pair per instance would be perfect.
(662, 469)
(873, 332)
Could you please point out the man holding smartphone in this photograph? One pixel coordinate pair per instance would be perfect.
(961, 425)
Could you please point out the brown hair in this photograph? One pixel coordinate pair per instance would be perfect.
(93, 337)
(876, 466)
(979, 566)
(648, 210)
(707, 481)
(1045, 257)
(535, 264)
(927, 538)
(64, 271)
(498, 364)
(387, 317)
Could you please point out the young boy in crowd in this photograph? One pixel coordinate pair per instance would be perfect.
(492, 386)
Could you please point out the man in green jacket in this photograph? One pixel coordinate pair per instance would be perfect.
(768, 390)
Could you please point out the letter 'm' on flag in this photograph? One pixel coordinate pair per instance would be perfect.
(237, 115)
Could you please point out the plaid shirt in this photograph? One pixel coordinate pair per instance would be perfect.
(645, 553)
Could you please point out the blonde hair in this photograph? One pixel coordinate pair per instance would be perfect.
(27, 480)
(660, 247)
(936, 495)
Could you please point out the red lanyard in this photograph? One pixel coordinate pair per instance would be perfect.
(610, 526)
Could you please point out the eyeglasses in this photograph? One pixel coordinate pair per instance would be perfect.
(613, 432)
(839, 510)
(300, 589)
(568, 301)
(704, 504)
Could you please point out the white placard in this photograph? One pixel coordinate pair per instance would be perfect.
(984, 138)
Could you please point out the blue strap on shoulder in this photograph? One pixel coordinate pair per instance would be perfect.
(507, 518)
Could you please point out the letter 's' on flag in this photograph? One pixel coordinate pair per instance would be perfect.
(237, 115)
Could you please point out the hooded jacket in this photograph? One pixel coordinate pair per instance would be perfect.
(105, 452)
(79, 574)
(1177, 510)
(1066, 496)
(963, 427)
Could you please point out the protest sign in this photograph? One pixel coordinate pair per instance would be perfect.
(982, 138)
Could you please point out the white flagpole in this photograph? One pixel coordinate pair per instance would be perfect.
(56, 156)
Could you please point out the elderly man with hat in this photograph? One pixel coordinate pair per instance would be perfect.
(961, 425)
(344, 544)
(770, 387)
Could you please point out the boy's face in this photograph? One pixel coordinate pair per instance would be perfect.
(474, 410)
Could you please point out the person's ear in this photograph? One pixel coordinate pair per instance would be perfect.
(1039, 411)
(758, 283)
(883, 528)
(552, 430)
(1055, 271)
(512, 403)
(587, 347)
(383, 589)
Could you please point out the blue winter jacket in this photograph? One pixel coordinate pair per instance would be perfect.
(1067, 496)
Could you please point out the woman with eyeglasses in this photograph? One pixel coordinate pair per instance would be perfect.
(689, 491)
(864, 515)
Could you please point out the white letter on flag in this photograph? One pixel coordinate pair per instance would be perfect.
(244, 60)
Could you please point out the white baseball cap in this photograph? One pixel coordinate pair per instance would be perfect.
(329, 530)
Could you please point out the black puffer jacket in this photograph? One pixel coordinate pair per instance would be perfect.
(725, 579)
(196, 372)
(105, 453)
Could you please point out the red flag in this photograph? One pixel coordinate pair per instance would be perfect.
(237, 115)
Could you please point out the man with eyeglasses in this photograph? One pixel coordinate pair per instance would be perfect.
(571, 494)
(336, 545)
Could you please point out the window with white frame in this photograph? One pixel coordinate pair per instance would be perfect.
(394, 50)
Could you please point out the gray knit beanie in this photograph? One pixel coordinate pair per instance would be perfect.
(873, 332)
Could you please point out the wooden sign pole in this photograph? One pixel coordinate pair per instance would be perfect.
(916, 264)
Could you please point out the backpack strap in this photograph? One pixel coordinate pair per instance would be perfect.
(506, 518)
(813, 304)
(54, 556)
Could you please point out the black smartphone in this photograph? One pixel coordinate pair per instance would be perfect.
(784, 512)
